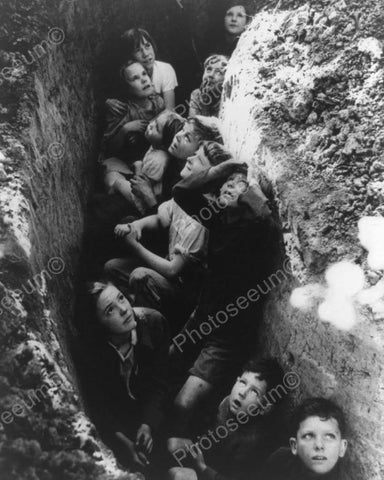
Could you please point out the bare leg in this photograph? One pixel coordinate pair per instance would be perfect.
(181, 473)
(189, 398)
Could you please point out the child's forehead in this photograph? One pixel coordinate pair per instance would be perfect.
(318, 423)
(252, 377)
(217, 61)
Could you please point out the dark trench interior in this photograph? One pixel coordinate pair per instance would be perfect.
(185, 46)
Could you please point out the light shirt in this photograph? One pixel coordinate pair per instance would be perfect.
(164, 77)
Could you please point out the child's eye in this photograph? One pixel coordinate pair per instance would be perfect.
(121, 297)
(109, 311)
(308, 436)
(331, 436)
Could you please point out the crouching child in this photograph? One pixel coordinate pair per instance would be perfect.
(247, 429)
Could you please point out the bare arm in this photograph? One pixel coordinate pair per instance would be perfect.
(168, 268)
(169, 99)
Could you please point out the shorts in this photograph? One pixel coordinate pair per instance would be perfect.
(218, 364)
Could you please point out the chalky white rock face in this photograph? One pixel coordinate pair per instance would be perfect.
(304, 107)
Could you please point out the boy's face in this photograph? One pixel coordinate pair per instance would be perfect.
(318, 444)
(248, 390)
(139, 83)
(115, 312)
(154, 131)
(195, 164)
(185, 143)
(235, 186)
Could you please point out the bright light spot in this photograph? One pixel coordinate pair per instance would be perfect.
(345, 278)
(371, 236)
(304, 297)
(339, 311)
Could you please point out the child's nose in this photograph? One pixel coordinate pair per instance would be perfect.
(319, 444)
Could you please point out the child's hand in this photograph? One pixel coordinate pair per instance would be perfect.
(142, 188)
(144, 440)
(137, 458)
(136, 126)
(198, 458)
(136, 230)
(122, 230)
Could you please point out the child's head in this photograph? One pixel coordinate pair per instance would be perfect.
(162, 129)
(194, 131)
(319, 440)
(208, 155)
(215, 67)
(236, 18)
(137, 79)
(114, 312)
(235, 185)
(258, 378)
(140, 47)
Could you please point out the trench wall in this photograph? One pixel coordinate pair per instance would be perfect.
(303, 107)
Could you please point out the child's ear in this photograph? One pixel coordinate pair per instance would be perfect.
(343, 447)
(293, 445)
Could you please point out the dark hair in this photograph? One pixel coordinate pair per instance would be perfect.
(208, 132)
(127, 64)
(133, 38)
(318, 407)
(238, 3)
(173, 125)
(216, 153)
(268, 369)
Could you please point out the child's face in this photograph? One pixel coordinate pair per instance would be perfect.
(195, 164)
(235, 20)
(248, 390)
(214, 72)
(115, 312)
(154, 131)
(185, 143)
(318, 444)
(145, 54)
(235, 186)
(140, 85)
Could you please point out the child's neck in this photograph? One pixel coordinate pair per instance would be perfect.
(142, 102)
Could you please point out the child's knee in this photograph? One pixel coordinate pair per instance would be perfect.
(140, 276)
(179, 473)
(111, 267)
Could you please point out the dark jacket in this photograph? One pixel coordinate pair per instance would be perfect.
(240, 250)
(241, 455)
(149, 382)
(282, 465)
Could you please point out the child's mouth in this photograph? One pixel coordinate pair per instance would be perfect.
(319, 459)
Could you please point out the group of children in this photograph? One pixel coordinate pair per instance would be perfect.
(195, 241)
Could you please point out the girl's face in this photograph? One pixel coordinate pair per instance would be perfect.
(154, 132)
(235, 20)
(185, 143)
(145, 54)
(115, 312)
(235, 186)
(138, 81)
(214, 72)
(195, 164)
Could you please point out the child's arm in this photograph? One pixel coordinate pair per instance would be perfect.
(117, 141)
(168, 268)
(138, 167)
